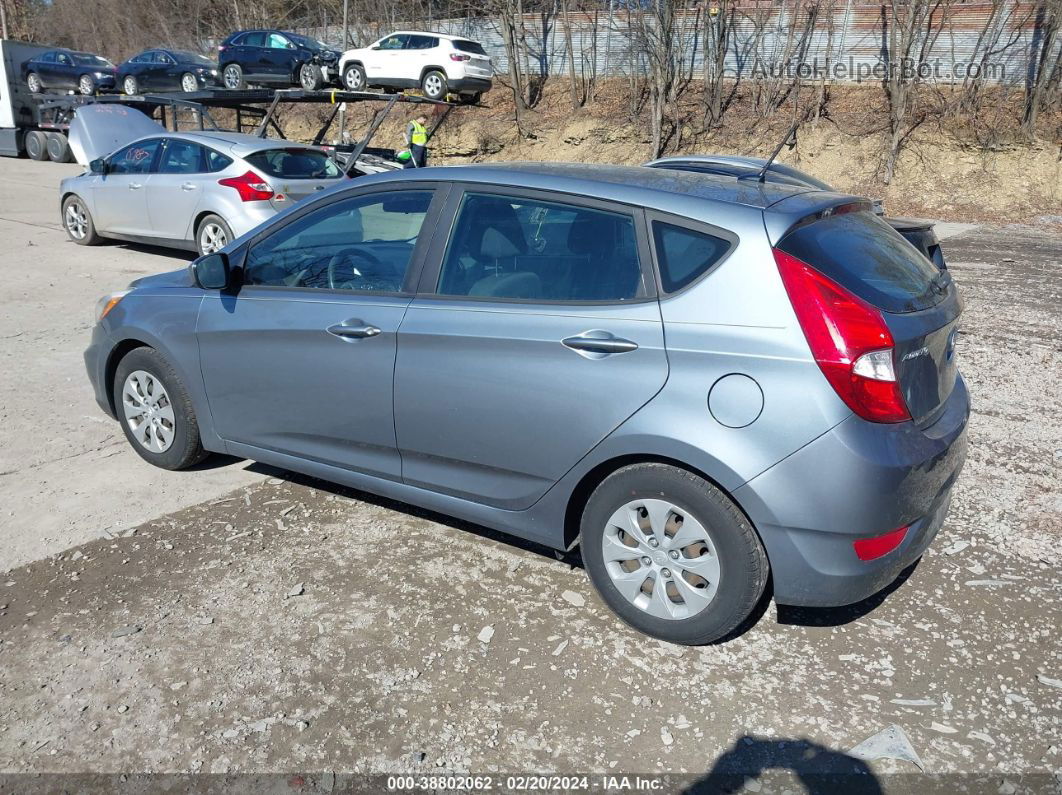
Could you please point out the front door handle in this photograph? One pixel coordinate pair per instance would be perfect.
(353, 330)
(601, 342)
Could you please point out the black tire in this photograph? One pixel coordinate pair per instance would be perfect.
(204, 223)
(433, 84)
(186, 447)
(36, 143)
(89, 237)
(33, 83)
(743, 566)
(232, 76)
(471, 99)
(58, 147)
(310, 77)
(354, 78)
(86, 85)
(130, 85)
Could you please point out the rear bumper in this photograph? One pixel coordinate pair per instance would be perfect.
(469, 85)
(859, 480)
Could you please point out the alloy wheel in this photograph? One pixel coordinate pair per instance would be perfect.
(85, 86)
(433, 86)
(129, 84)
(661, 559)
(34, 83)
(212, 238)
(189, 83)
(148, 411)
(232, 77)
(76, 219)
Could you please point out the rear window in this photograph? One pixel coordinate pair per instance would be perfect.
(868, 257)
(464, 45)
(294, 164)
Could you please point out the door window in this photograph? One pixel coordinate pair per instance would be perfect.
(134, 159)
(278, 42)
(684, 255)
(163, 58)
(215, 161)
(515, 248)
(144, 57)
(181, 157)
(48, 57)
(364, 244)
(252, 40)
(392, 43)
(415, 42)
(64, 59)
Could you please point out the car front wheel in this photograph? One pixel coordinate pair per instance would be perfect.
(434, 85)
(310, 77)
(671, 554)
(156, 411)
(77, 221)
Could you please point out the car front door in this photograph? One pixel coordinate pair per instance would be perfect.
(120, 195)
(301, 360)
(280, 57)
(64, 72)
(385, 61)
(535, 334)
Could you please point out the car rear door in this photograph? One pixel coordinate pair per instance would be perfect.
(120, 195)
(301, 360)
(535, 334)
(176, 188)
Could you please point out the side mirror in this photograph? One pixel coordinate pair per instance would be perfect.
(98, 166)
(212, 271)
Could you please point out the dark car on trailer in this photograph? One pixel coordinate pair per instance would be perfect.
(276, 57)
(917, 232)
(68, 70)
(167, 70)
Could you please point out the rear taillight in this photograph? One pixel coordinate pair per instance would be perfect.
(460, 56)
(849, 340)
(250, 186)
(879, 546)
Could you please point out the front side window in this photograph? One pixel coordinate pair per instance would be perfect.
(134, 159)
(525, 249)
(684, 255)
(294, 163)
(164, 58)
(181, 157)
(278, 42)
(363, 244)
(392, 43)
(64, 59)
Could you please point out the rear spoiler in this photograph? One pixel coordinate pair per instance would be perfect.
(790, 212)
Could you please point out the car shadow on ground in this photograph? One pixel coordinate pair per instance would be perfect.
(819, 769)
(800, 616)
(181, 255)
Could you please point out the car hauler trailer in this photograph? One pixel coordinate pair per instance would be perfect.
(20, 123)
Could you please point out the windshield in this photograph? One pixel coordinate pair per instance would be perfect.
(294, 163)
(191, 57)
(85, 59)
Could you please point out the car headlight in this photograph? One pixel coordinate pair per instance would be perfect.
(107, 303)
(100, 75)
(214, 72)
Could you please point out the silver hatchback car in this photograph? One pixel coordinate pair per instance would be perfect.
(189, 190)
(706, 384)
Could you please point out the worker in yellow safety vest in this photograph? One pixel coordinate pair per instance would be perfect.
(417, 141)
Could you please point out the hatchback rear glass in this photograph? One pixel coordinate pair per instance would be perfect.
(295, 163)
(868, 257)
(464, 45)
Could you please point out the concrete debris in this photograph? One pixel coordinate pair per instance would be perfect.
(890, 743)
(1046, 680)
(573, 598)
(121, 632)
(560, 648)
(486, 634)
(298, 590)
(666, 737)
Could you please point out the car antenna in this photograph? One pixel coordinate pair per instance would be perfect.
(789, 136)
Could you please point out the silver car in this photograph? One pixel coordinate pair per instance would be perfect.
(711, 386)
(190, 190)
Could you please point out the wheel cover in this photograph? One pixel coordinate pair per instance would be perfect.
(433, 84)
(232, 77)
(661, 559)
(130, 85)
(212, 237)
(188, 83)
(148, 411)
(85, 84)
(76, 218)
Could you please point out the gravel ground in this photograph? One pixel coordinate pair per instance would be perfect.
(291, 625)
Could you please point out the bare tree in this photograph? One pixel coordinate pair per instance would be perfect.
(1044, 65)
(718, 23)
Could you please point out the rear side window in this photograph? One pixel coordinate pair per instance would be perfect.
(869, 258)
(464, 45)
(415, 42)
(685, 255)
(180, 157)
(256, 39)
(294, 164)
(524, 249)
(215, 161)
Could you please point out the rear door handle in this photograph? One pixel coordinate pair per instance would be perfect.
(353, 330)
(187, 186)
(134, 186)
(599, 342)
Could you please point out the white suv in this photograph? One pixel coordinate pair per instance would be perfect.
(435, 63)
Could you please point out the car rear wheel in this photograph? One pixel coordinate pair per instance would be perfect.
(86, 84)
(212, 235)
(232, 76)
(77, 221)
(189, 83)
(36, 145)
(33, 83)
(471, 99)
(434, 85)
(354, 78)
(310, 77)
(671, 554)
(156, 411)
(58, 147)
(130, 86)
